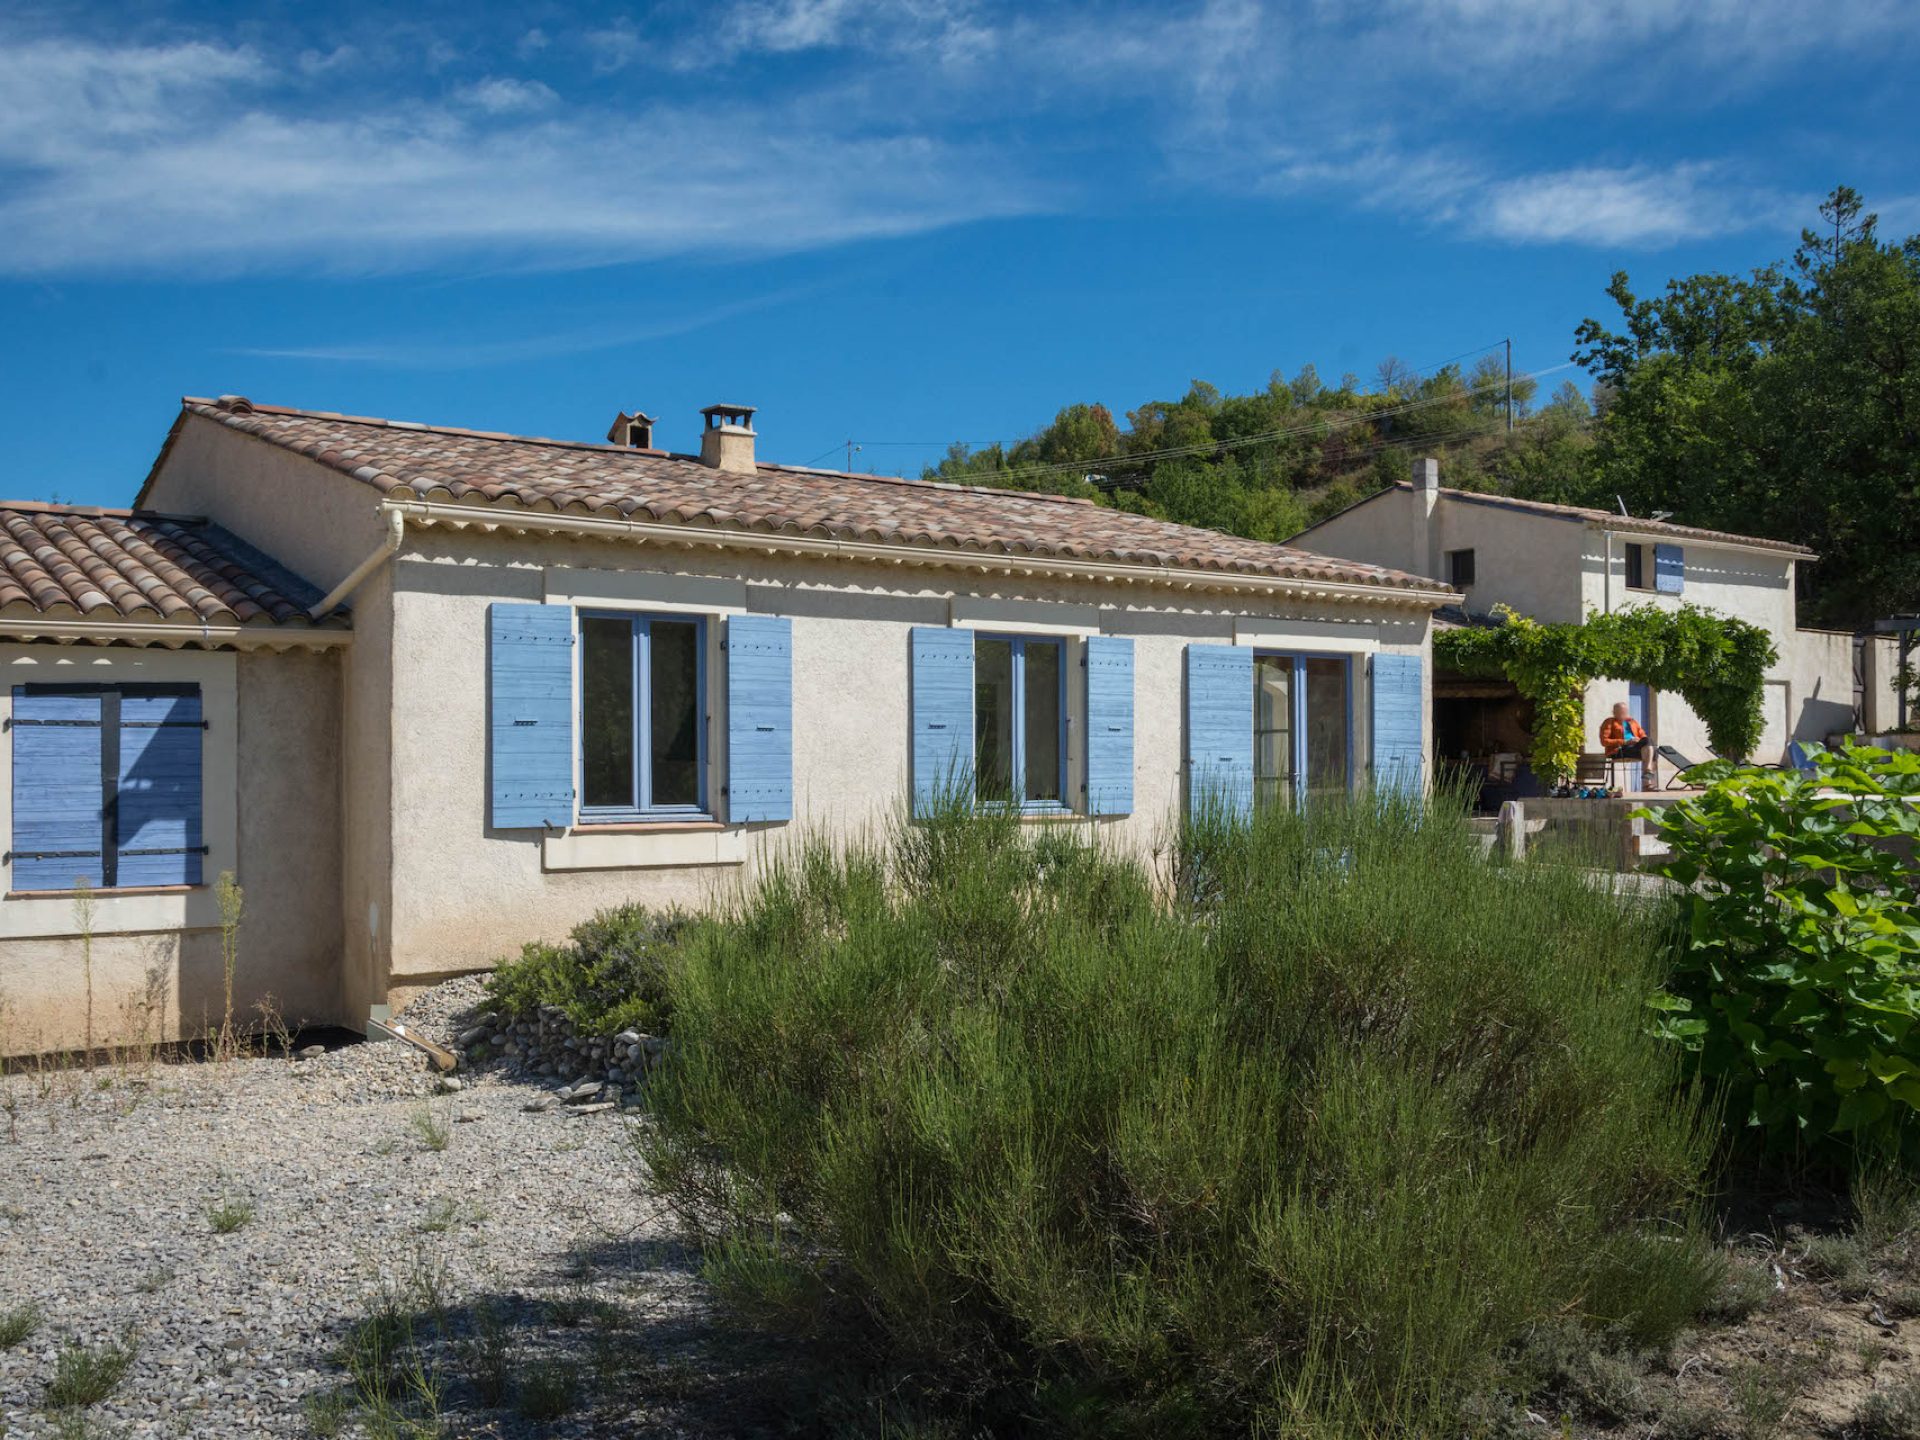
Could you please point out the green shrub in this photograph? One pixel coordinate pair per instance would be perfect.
(1796, 965)
(1891, 1414)
(609, 976)
(83, 1376)
(1308, 1150)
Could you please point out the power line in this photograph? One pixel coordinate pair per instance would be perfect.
(1375, 447)
(1417, 370)
(1329, 426)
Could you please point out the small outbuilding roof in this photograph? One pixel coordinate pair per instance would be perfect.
(405, 461)
(112, 566)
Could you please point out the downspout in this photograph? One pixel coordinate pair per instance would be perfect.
(396, 529)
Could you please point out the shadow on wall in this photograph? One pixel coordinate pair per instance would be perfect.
(1821, 716)
(147, 990)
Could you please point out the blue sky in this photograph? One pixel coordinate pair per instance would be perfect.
(902, 223)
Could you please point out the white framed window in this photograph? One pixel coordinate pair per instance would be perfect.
(643, 717)
(1020, 720)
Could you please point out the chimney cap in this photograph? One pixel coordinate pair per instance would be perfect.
(741, 415)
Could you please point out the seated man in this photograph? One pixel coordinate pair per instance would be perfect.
(1623, 737)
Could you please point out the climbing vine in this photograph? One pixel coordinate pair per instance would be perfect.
(1716, 664)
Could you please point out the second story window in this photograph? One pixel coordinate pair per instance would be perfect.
(1637, 568)
(1460, 568)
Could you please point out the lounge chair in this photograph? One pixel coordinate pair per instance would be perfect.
(1679, 762)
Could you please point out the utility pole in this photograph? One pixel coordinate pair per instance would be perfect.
(1509, 345)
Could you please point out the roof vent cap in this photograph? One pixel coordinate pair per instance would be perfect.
(235, 404)
(634, 431)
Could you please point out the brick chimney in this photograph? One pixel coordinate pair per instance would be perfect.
(727, 442)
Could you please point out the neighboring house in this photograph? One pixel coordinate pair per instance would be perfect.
(1562, 563)
(581, 674)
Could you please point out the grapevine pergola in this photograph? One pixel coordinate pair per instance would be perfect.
(1716, 664)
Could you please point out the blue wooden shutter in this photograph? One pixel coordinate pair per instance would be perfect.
(1669, 569)
(56, 791)
(530, 700)
(759, 718)
(1220, 728)
(157, 817)
(1398, 724)
(942, 717)
(1109, 725)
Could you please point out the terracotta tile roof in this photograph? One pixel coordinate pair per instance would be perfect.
(1624, 524)
(125, 565)
(410, 461)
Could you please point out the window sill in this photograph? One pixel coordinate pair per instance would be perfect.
(649, 846)
(646, 827)
(127, 892)
(1024, 813)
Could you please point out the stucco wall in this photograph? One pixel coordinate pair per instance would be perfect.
(1809, 692)
(1820, 681)
(1746, 585)
(463, 894)
(1882, 699)
(1381, 530)
(270, 811)
(1529, 561)
(313, 520)
(320, 524)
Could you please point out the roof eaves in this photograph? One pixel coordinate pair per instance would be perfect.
(1385, 586)
(1626, 525)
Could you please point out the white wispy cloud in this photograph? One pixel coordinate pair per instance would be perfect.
(752, 126)
(505, 95)
(1634, 206)
(412, 353)
(141, 157)
(1613, 206)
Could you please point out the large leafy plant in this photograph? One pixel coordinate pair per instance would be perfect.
(1796, 973)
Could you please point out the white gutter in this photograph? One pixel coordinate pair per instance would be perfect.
(396, 529)
(424, 512)
(169, 633)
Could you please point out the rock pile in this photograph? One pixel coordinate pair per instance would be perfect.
(597, 1069)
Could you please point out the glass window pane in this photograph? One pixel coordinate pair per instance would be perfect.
(606, 711)
(674, 710)
(1326, 725)
(1042, 774)
(1272, 728)
(993, 719)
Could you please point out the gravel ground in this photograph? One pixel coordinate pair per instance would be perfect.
(536, 1274)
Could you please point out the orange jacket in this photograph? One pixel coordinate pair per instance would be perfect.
(1613, 734)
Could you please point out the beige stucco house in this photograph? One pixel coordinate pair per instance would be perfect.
(429, 692)
(1563, 563)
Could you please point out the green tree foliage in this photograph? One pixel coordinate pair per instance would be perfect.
(1303, 1152)
(1267, 464)
(1796, 970)
(1785, 403)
